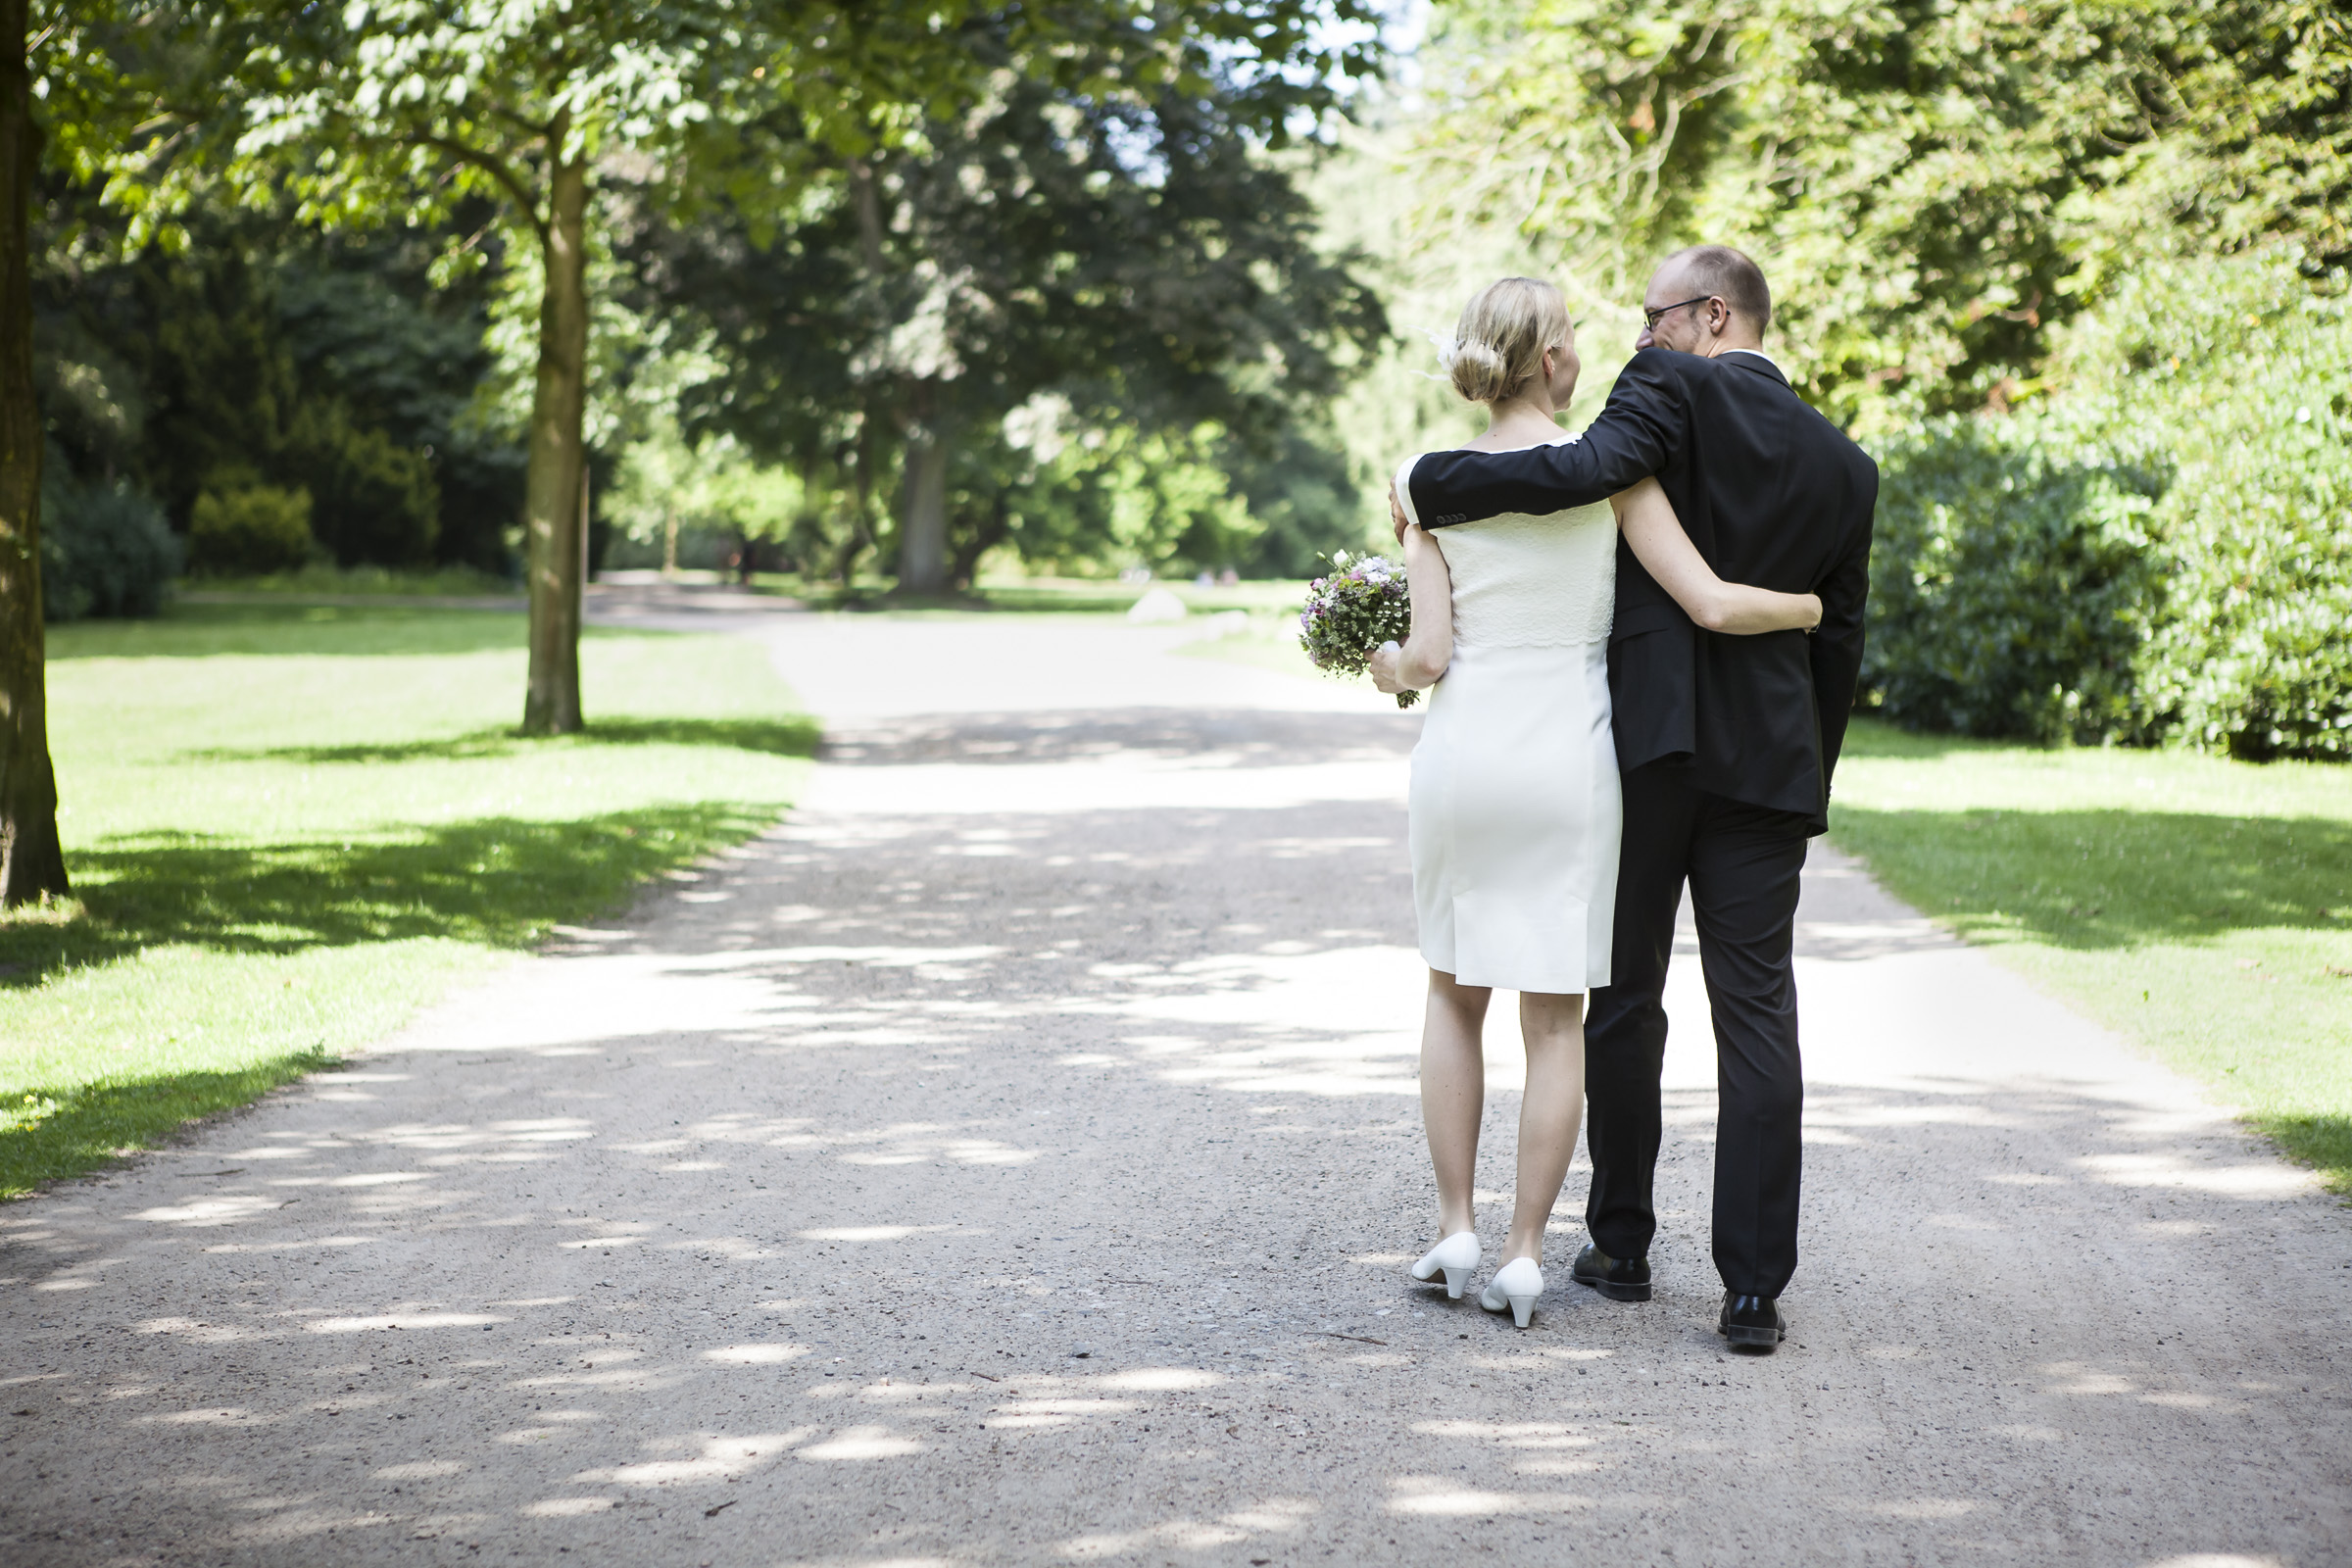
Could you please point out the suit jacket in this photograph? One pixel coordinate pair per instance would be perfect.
(1772, 495)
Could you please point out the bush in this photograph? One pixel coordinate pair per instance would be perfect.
(245, 528)
(2011, 583)
(2161, 551)
(377, 503)
(105, 551)
(2243, 376)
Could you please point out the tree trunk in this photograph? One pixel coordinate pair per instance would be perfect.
(923, 525)
(554, 513)
(33, 863)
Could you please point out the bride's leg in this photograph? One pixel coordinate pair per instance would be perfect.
(1554, 1030)
(1453, 1092)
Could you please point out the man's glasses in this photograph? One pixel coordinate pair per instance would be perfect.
(1650, 318)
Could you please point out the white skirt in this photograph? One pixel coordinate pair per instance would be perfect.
(1514, 818)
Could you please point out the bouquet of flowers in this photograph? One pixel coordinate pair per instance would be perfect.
(1364, 604)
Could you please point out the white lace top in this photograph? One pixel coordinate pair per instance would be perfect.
(1525, 581)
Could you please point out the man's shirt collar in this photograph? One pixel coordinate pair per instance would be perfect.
(1760, 354)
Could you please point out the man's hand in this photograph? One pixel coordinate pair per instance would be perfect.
(1396, 512)
(1382, 665)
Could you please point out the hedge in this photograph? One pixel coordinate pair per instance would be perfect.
(2159, 549)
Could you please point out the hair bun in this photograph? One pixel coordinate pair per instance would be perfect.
(1478, 370)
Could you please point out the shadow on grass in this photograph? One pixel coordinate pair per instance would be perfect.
(2322, 1142)
(46, 1135)
(794, 736)
(2103, 879)
(498, 881)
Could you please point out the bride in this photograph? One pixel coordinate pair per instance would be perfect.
(1514, 807)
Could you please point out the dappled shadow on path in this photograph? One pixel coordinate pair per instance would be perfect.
(1003, 1183)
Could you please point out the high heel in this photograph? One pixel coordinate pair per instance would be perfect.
(1515, 1285)
(1454, 1257)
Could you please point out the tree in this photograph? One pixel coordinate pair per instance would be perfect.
(1135, 251)
(66, 68)
(1935, 184)
(1109, 226)
(399, 106)
(399, 110)
(32, 861)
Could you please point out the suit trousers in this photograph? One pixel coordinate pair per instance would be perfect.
(1743, 864)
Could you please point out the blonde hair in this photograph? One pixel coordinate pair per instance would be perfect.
(1499, 344)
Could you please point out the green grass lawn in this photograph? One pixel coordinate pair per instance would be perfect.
(290, 826)
(2199, 906)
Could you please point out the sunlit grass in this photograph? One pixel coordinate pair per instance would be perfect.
(291, 826)
(2199, 906)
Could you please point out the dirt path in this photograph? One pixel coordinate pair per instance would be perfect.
(1013, 1158)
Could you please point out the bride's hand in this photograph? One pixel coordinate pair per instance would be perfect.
(1813, 599)
(1382, 662)
(1414, 539)
(1396, 512)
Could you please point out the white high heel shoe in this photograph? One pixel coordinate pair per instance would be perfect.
(1515, 1286)
(1454, 1257)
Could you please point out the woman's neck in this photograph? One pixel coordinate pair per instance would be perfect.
(1521, 419)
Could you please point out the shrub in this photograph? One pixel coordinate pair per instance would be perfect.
(2012, 585)
(245, 528)
(376, 502)
(2161, 551)
(2242, 374)
(105, 550)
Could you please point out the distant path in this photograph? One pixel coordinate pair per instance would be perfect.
(1014, 1160)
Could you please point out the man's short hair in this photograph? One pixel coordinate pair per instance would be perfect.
(1720, 271)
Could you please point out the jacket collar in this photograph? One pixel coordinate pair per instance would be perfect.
(1756, 359)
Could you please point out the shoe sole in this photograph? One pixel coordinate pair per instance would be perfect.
(1754, 1337)
(1613, 1290)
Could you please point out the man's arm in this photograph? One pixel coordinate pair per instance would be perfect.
(1644, 424)
(1837, 647)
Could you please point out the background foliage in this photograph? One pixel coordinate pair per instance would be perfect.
(261, 352)
(2160, 549)
(2075, 270)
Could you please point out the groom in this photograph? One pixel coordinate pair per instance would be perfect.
(1724, 744)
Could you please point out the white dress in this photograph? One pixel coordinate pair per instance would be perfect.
(1514, 806)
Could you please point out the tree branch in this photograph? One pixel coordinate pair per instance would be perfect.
(543, 132)
(497, 170)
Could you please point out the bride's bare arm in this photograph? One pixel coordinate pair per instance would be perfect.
(1667, 553)
(1429, 648)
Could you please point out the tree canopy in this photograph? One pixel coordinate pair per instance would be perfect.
(1936, 182)
(1135, 257)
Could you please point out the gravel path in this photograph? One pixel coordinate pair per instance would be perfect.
(1013, 1158)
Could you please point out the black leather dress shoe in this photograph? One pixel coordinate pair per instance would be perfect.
(1752, 1321)
(1620, 1279)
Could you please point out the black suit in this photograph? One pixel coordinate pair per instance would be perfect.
(1725, 746)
